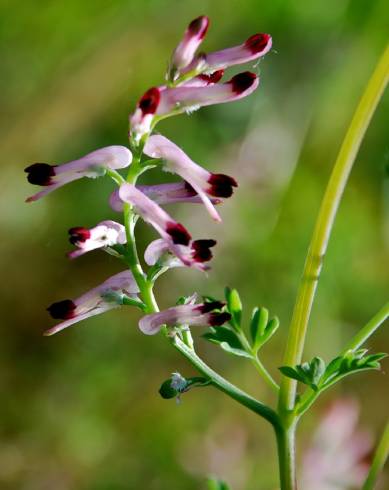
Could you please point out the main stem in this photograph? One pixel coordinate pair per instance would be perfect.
(286, 456)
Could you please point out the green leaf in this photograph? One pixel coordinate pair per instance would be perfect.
(271, 329)
(234, 306)
(258, 324)
(309, 373)
(351, 362)
(236, 352)
(289, 372)
(227, 339)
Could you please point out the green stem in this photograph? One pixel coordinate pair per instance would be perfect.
(265, 374)
(151, 306)
(379, 459)
(257, 363)
(368, 330)
(324, 224)
(286, 456)
(224, 385)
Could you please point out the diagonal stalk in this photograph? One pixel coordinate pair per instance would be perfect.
(368, 330)
(379, 459)
(324, 224)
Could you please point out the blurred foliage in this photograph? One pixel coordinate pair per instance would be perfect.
(81, 410)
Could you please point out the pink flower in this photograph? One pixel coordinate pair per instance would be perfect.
(337, 456)
(105, 297)
(163, 194)
(164, 101)
(254, 48)
(186, 49)
(92, 165)
(175, 236)
(205, 314)
(196, 253)
(104, 234)
(205, 183)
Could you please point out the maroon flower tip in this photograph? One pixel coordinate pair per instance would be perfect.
(257, 42)
(217, 319)
(214, 77)
(63, 310)
(242, 81)
(179, 233)
(150, 101)
(78, 234)
(40, 173)
(221, 185)
(211, 306)
(191, 192)
(199, 26)
(201, 250)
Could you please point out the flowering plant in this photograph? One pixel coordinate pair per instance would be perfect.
(192, 81)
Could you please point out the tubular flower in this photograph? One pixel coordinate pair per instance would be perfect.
(104, 234)
(188, 98)
(105, 297)
(186, 49)
(203, 182)
(92, 165)
(172, 232)
(175, 236)
(163, 101)
(254, 48)
(204, 314)
(196, 253)
(163, 194)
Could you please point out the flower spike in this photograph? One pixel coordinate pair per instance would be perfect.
(104, 234)
(254, 48)
(205, 314)
(186, 49)
(205, 183)
(92, 165)
(105, 297)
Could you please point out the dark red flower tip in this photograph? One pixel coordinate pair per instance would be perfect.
(179, 233)
(62, 310)
(242, 81)
(211, 306)
(201, 250)
(149, 102)
(214, 77)
(78, 234)
(217, 319)
(40, 173)
(199, 26)
(191, 192)
(257, 42)
(221, 185)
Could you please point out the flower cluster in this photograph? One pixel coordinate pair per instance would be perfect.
(193, 80)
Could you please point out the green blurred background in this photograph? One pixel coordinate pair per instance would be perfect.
(81, 410)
